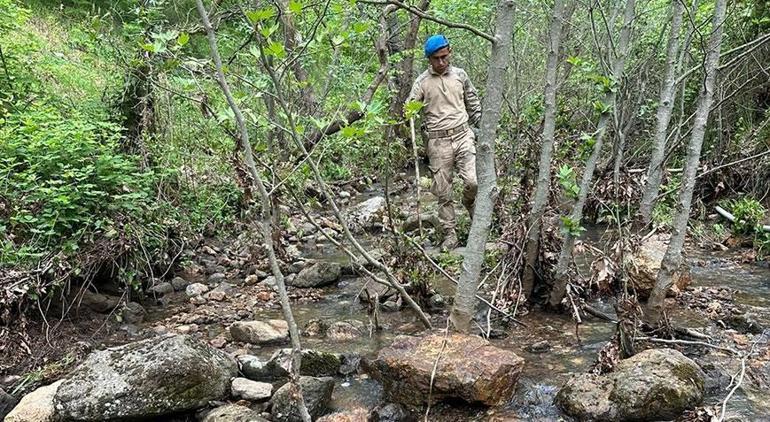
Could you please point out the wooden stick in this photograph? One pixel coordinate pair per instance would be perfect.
(416, 172)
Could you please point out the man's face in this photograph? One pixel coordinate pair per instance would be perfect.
(439, 61)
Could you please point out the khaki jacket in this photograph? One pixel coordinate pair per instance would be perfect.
(449, 99)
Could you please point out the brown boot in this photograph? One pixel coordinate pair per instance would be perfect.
(450, 241)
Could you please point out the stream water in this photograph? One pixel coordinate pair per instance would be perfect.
(544, 373)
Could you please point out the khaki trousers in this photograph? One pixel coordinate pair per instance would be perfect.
(444, 154)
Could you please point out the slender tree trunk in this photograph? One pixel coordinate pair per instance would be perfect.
(265, 221)
(473, 258)
(672, 260)
(291, 40)
(665, 108)
(568, 243)
(546, 152)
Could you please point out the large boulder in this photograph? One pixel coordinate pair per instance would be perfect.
(247, 389)
(153, 377)
(233, 413)
(656, 384)
(319, 274)
(316, 392)
(260, 332)
(37, 406)
(644, 265)
(367, 215)
(469, 368)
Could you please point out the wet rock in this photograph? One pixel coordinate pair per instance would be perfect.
(368, 214)
(198, 300)
(307, 228)
(149, 378)
(744, 323)
(317, 393)
(470, 369)
(656, 384)
(350, 362)
(260, 332)
(247, 389)
(216, 277)
(539, 347)
(391, 305)
(133, 313)
(436, 302)
(37, 406)
(7, 402)
(345, 330)
(296, 267)
(257, 370)
(179, 283)
(314, 363)
(355, 415)
(233, 413)
(315, 328)
(645, 264)
(319, 274)
(161, 288)
(196, 289)
(391, 412)
(98, 302)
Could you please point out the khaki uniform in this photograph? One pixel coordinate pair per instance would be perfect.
(450, 105)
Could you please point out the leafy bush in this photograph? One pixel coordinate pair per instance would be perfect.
(748, 214)
(64, 181)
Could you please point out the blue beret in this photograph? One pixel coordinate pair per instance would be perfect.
(434, 44)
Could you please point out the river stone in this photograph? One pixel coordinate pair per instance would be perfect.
(233, 413)
(149, 378)
(260, 332)
(355, 415)
(656, 384)
(255, 369)
(7, 402)
(196, 289)
(314, 363)
(644, 265)
(319, 274)
(98, 302)
(161, 288)
(317, 393)
(133, 313)
(367, 214)
(179, 283)
(470, 369)
(37, 406)
(247, 389)
(391, 412)
(345, 330)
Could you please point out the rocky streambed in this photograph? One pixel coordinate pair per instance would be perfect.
(210, 344)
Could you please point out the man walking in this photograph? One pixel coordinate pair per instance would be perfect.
(451, 107)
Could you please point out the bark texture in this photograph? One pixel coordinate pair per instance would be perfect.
(568, 243)
(473, 257)
(543, 185)
(673, 258)
(265, 220)
(665, 108)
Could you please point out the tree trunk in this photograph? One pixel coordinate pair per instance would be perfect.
(291, 40)
(265, 221)
(673, 258)
(546, 152)
(665, 108)
(568, 243)
(465, 298)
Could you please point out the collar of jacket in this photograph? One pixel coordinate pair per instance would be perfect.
(434, 73)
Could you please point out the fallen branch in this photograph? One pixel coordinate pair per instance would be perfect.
(688, 343)
(735, 387)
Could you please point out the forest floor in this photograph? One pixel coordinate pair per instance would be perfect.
(728, 301)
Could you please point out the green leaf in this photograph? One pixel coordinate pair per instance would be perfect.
(183, 39)
(412, 108)
(257, 16)
(360, 27)
(276, 49)
(295, 7)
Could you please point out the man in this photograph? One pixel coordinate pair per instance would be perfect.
(451, 109)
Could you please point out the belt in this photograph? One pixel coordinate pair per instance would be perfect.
(433, 134)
